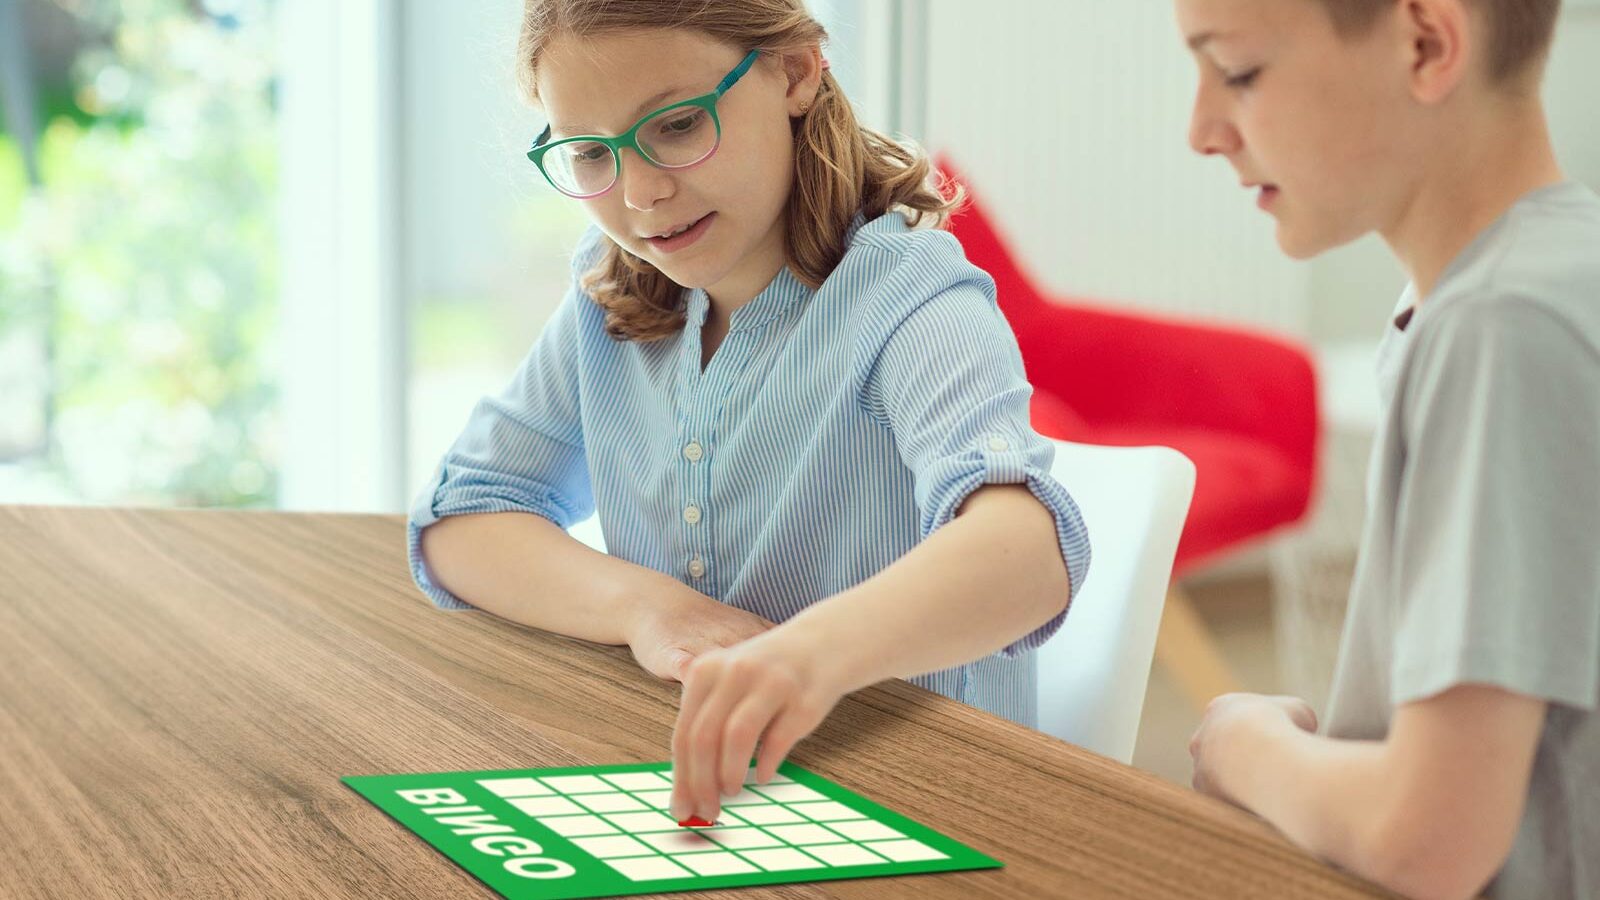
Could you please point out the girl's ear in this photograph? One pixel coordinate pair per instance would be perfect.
(804, 70)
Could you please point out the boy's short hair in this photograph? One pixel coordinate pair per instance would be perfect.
(1520, 31)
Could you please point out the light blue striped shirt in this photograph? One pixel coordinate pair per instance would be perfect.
(831, 432)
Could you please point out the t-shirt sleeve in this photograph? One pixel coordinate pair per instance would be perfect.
(1496, 564)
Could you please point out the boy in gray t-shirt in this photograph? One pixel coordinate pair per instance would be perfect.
(1462, 746)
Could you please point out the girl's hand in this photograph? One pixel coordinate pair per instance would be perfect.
(775, 689)
(1229, 728)
(672, 631)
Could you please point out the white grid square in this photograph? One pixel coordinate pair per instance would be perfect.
(867, 830)
(611, 846)
(657, 799)
(906, 851)
(576, 826)
(545, 806)
(515, 787)
(648, 868)
(609, 803)
(639, 822)
(827, 811)
(787, 793)
(804, 834)
(716, 863)
(844, 855)
(771, 814)
(639, 781)
(577, 784)
(742, 838)
(684, 841)
(729, 817)
(781, 859)
(744, 798)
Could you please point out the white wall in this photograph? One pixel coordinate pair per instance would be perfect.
(465, 131)
(1070, 116)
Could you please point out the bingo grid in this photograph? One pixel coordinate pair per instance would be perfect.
(782, 826)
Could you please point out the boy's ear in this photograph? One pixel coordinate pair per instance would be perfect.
(1441, 46)
(804, 70)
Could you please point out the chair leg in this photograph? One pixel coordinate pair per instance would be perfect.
(1189, 653)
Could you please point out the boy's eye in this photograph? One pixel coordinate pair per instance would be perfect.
(1241, 80)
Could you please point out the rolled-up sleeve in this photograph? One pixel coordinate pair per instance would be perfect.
(521, 451)
(949, 383)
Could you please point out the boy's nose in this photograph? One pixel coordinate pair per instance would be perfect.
(643, 185)
(1210, 134)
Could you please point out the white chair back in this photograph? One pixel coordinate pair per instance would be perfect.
(1094, 671)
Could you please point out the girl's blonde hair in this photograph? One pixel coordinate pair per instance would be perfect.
(841, 167)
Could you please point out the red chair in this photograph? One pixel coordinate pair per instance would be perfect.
(1241, 405)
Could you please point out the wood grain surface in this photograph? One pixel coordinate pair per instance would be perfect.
(180, 692)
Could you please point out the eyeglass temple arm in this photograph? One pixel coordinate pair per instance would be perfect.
(738, 71)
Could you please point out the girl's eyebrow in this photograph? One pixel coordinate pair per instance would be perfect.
(638, 111)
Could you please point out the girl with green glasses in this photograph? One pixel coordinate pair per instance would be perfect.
(793, 404)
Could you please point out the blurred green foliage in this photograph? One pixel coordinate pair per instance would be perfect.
(148, 258)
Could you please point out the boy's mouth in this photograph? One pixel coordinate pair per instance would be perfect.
(1268, 193)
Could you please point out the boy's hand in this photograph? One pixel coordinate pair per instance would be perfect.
(1231, 724)
(672, 631)
(775, 689)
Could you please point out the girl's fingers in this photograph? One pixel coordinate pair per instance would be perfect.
(697, 683)
(744, 728)
(697, 742)
(678, 661)
(795, 722)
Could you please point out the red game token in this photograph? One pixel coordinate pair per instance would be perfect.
(695, 822)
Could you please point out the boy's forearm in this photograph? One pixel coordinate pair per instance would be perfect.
(977, 584)
(1431, 811)
(524, 568)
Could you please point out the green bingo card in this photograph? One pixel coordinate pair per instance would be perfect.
(604, 831)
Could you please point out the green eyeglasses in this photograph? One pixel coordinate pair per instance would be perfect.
(677, 136)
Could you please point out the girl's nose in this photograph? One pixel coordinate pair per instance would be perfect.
(643, 185)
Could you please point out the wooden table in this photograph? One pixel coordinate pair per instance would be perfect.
(181, 691)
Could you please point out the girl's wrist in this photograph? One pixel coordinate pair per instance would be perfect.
(828, 660)
(645, 599)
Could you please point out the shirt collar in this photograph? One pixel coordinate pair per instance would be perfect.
(784, 291)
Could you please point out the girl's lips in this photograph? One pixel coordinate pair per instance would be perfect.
(679, 241)
(1269, 193)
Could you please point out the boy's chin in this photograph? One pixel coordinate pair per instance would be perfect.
(1302, 244)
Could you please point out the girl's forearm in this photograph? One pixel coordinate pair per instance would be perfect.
(524, 568)
(990, 576)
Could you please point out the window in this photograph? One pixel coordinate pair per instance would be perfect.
(138, 253)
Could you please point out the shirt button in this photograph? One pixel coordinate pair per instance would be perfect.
(696, 567)
(694, 452)
(999, 445)
(691, 514)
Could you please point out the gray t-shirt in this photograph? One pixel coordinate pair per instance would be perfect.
(1480, 560)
